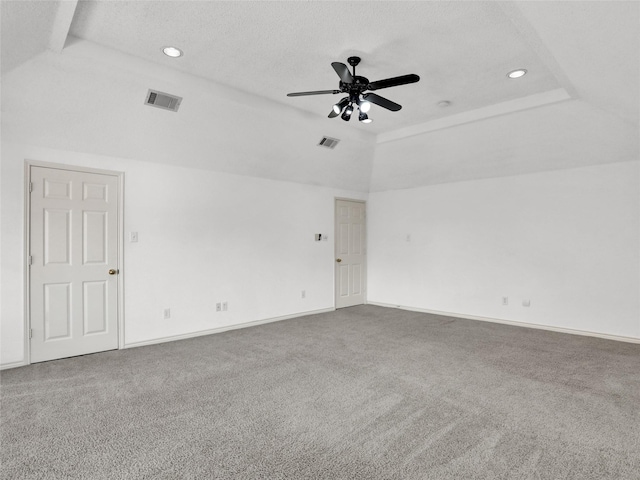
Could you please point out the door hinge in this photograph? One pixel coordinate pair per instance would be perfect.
(30, 333)
(30, 260)
(30, 187)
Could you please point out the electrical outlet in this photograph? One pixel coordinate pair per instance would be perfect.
(218, 307)
(167, 313)
(224, 306)
(303, 294)
(133, 237)
(505, 300)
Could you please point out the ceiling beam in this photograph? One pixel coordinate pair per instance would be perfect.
(62, 25)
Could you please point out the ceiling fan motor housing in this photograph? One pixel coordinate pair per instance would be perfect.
(359, 85)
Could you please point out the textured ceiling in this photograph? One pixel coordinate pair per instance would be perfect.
(461, 50)
(578, 105)
(33, 18)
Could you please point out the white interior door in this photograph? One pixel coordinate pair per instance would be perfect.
(74, 260)
(351, 253)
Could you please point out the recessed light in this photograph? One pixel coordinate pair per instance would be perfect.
(444, 103)
(517, 73)
(172, 52)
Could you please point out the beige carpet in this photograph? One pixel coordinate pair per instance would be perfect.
(360, 393)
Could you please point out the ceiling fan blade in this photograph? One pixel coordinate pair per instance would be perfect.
(383, 102)
(333, 114)
(317, 92)
(394, 82)
(343, 72)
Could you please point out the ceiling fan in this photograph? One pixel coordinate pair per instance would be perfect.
(355, 86)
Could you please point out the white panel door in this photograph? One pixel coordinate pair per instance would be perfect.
(74, 261)
(351, 253)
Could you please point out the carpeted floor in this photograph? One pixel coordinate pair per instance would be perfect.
(361, 393)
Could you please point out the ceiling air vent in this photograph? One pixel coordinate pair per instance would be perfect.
(328, 142)
(163, 100)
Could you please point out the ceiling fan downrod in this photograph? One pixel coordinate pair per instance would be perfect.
(353, 61)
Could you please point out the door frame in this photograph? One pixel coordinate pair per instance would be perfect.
(335, 248)
(27, 246)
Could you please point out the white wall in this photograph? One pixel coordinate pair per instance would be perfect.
(204, 237)
(209, 230)
(568, 240)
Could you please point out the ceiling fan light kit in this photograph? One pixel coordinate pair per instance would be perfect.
(355, 87)
(364, 106)
(364, 118)
(338, 107)
(346, 115)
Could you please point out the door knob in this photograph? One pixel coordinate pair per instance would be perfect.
(113, 272)
(338, 260)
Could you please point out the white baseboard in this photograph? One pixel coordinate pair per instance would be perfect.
(7, 366)
(572, 331)
(226, 328)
